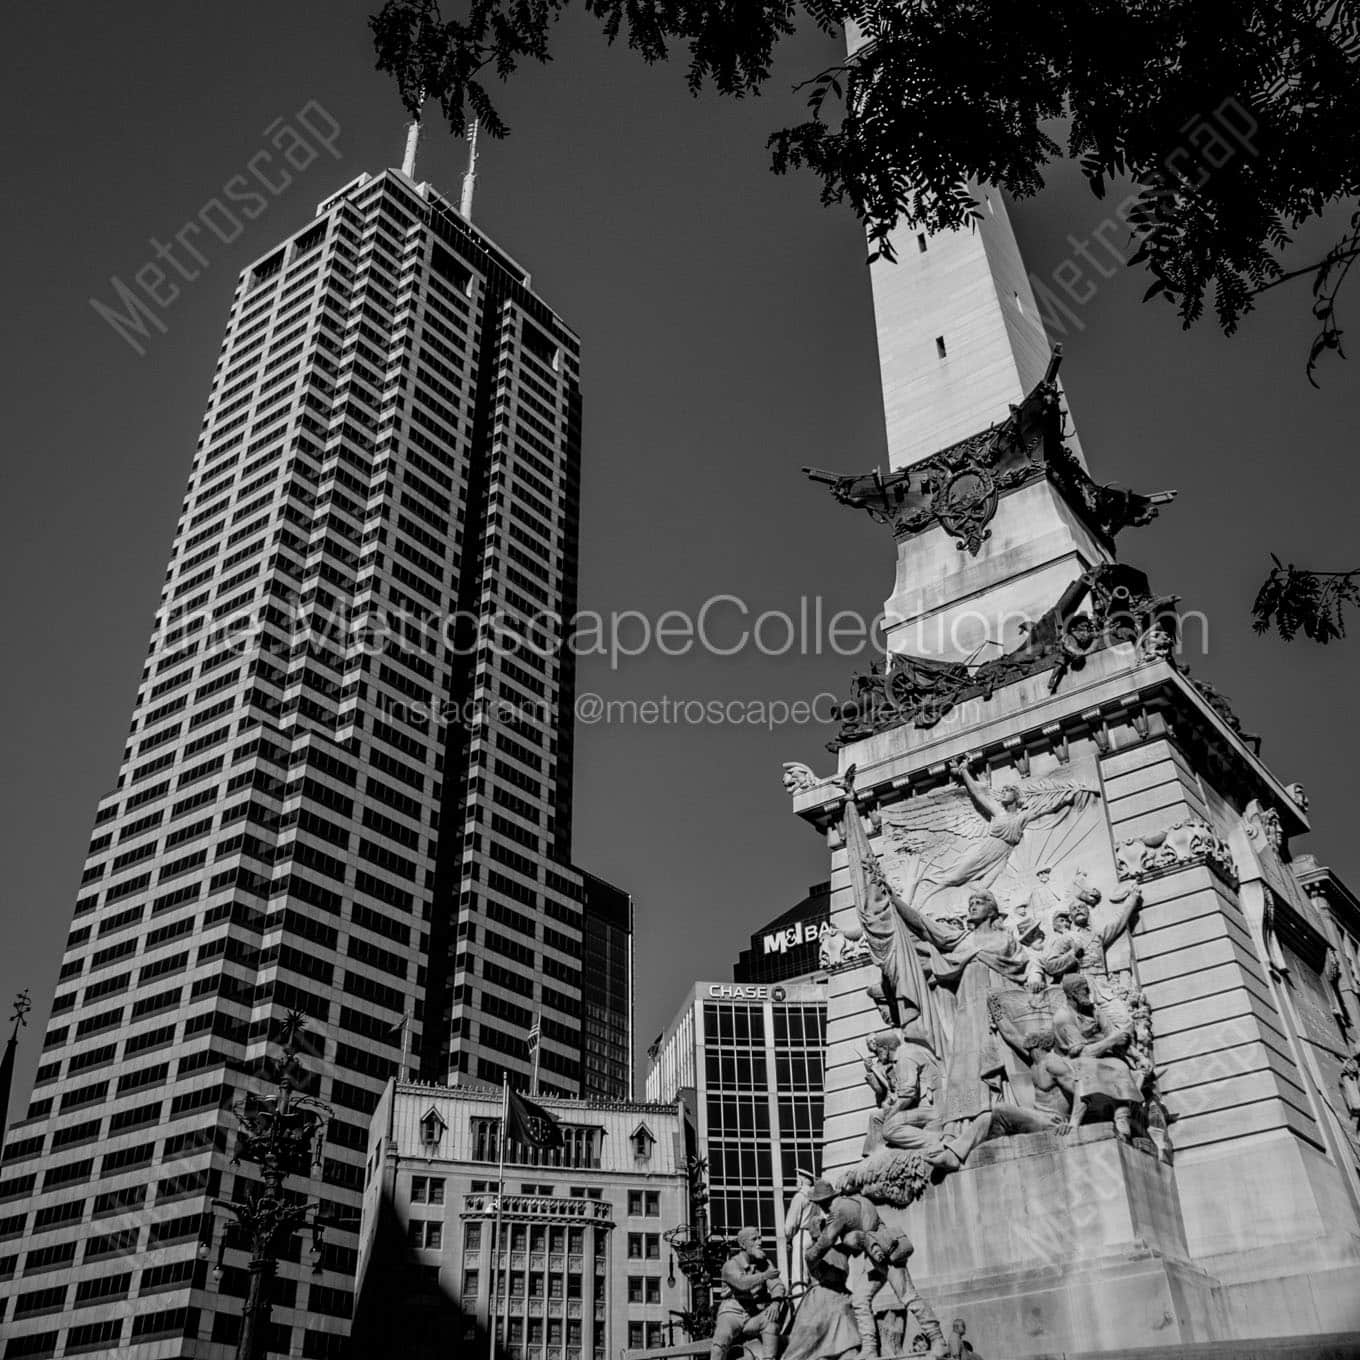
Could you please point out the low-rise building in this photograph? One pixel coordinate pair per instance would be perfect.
(585, 1269)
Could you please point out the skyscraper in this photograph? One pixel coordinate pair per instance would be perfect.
(607, 990)
(346, 786)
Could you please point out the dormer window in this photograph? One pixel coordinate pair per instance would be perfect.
(642, 1142)
(431, 1129)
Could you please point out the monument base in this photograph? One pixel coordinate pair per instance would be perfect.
(1337, 1347)
(1053, 1246)
(1049, 1245)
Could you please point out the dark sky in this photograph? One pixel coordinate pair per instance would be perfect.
(728, 340)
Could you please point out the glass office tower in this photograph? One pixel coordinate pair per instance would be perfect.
(747, 1059)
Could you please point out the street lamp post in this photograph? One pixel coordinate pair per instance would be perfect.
(283, 1133)
(701, 1254)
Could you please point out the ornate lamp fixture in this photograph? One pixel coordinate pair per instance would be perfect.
(283, 1133)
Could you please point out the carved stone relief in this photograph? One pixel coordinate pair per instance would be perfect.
(1186, 842)
(999, 1020)
(799, 778)
(1110, 604)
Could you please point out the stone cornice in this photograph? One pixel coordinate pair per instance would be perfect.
(1116, 702)
(567, 1105)
(1323, 886)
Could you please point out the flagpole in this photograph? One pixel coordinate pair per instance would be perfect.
(405, 1046)
(496, 1227)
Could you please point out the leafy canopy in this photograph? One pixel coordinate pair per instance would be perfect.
(1238, 120)
(1294, 600)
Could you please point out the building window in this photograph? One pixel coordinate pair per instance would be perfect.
(472, 1281)
(653, 1246)
(635, 1283)
(635, 1246)
(655, 1336)
(472, 1237)
(486, 1138)
(427, 1190)
(642, 1142)
(653, 1289)
(580, 1147)
(643, 1204)
(637, 1338)
(425, 1236)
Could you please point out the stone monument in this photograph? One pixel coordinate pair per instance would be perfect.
(1094, 1031)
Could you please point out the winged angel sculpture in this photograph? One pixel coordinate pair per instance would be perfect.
(989, 840)
(933, 926)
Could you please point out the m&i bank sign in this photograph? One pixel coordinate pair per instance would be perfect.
(799, 933)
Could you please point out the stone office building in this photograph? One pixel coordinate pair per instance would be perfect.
(585, 1270)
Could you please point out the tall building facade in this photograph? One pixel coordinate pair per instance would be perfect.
(346, 785)
(606, 990)
(747, 1059)
(578, 1268)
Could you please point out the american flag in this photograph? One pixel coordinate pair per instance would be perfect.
(535, 1034)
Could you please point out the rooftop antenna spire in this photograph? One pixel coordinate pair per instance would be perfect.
(408, 159)
(470, 178)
